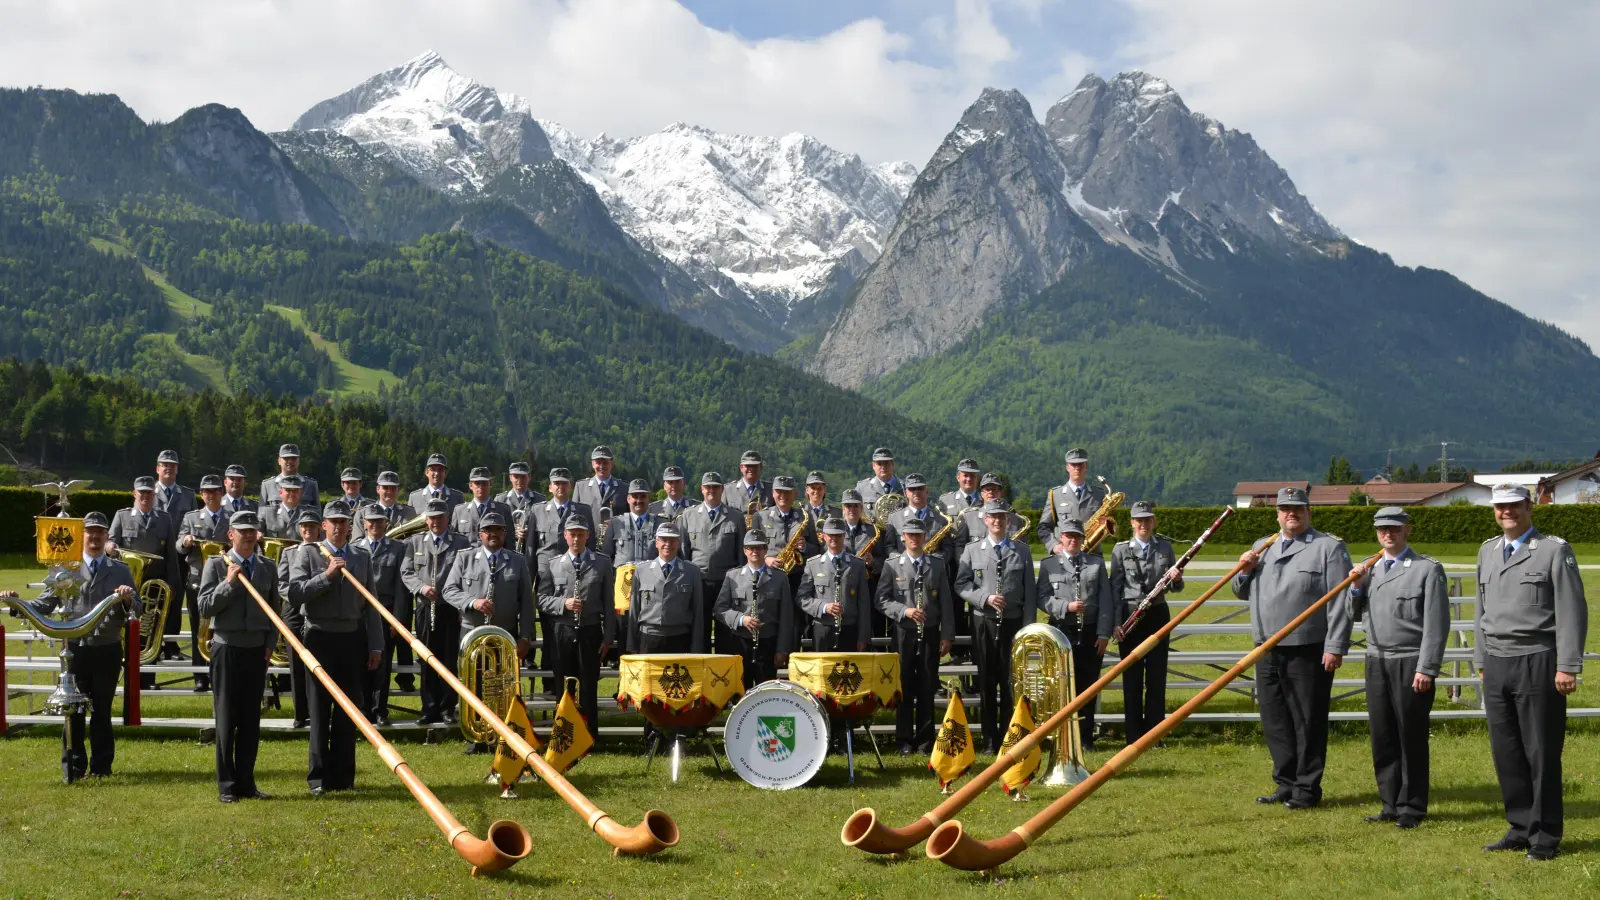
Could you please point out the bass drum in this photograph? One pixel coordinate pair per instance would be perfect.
(776, 738)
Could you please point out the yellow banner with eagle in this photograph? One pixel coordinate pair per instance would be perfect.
(1021, 773)
(952, 749)
(570, 739)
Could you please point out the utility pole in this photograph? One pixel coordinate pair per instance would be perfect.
(1388, 466)
(1444, 462)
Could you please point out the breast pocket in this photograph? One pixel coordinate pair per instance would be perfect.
(1409, 608)
(1309, 578)
(1533, 587)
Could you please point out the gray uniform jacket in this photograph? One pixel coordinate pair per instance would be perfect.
(1408, 610)
(901, 586)
(334, 605)
(279, 521)
(464, 518)
(1061, 582)
(237, 620)
(669, 509)
(667, 606)
(1134, 575)
(520, 502)
(763, 594)
(231, 505)
(512, 591)
(1287, 581)
(200, 525)
(614, 496)
(426, 564)
(308, 491)
(547, 530)
(1532, 602)
(856, 540)
(1062, 503)
(419, 498)
(976, 579)
(932, 518)
(628, 542)
(113, 574)
(780, 529)
(595, 584)
(714, 547)
(159, 536)
(398, 514)
(176, 501)
(386, 563)
(817, 590)
(872, 490)
(738, 493)
(821, 513)
(972, 528)
(955, 503)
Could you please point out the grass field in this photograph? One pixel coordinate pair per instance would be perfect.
(354, 379)
(1179, 824)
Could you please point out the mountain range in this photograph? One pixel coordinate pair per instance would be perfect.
(1126, 274)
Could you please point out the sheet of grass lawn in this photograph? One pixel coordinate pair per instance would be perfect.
(1181, 823)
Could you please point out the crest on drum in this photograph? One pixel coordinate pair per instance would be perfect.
(676, 681)
(845, 678)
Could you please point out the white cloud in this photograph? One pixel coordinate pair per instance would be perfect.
(1455, 135)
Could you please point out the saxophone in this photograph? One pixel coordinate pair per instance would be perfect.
(1099, 524)
(932, 544)
(791, 553)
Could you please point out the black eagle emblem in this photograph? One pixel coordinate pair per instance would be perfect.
(845, 678)
(952, 739)
(1013, 734)
(562, 734)
(676, 681)
(59, 539)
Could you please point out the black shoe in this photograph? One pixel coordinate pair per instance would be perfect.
(925, 747)
(1267, 799)
(202, 686)
(1381, 817)
(1295, 803)
(256, 795)
(429, 720)
(450, 718)
(380, 720)
(1088, 746)
(317, 792)
(907, 750)
(302, 723)
(227, 798)
(1407, 821)
(1507, 843)
(1541, 854)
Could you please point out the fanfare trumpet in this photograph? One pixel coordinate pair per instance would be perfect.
(951, 845)
(865, 832)
(656, 833)
(64, 582)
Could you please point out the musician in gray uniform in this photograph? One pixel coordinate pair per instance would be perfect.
(1077, 499)
(1532, 620)
(965, 496)
(755, 605)
(603, 491)
(351, 482)
(233, 498)
(345, 634)
(388, 501)
(666, 606)
(172, 498)
(816, 503)
(713, 539)
(996, 580)
(309, 530)
(146, 529)
(1137, 564)
(425, 572)
(546, 538)
(289, 464)
(282, 518)
(677, 501)
(388, 557)
(833, 593)
(915, 595)
(493, 585)
(917, 507)
(861, 538)
(1075, 592)
(1283, 576)
(750, 488)
(883, 480)
(520, 499)
(208, 523)
(575, 588)
(465, 517)
(782, 522)
(1407, 616)
(97, 656)
(631, 538)
(242, 639)
(435, 471)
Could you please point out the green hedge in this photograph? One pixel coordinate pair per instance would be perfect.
(1579, 524)
(19, 506)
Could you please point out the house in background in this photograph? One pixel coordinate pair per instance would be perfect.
(1379, 491)
(1579, 484)
(1262, 493)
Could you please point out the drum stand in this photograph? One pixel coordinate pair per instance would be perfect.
(675, 755)
(850, 746)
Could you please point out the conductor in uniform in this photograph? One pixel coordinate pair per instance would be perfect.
(1137, 565)
(1407, 603)
(1532, 620)
(242, 639)
(1283, 576)
(1075, 592)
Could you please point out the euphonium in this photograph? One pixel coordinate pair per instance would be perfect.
(1042, 671)
(202, 641)
(1098, 526)
(156, 596)
(272, 548)
(488, 666)
(886, 506)
(791, 555)
(64, 582)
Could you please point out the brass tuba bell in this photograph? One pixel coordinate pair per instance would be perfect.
(489, 667)
(1042, 671)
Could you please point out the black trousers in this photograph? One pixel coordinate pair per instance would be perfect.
(721, 639)
(192, 601)
(580, 659)
(826, 638)
(991, 649)
(919, 677)
(299, 678)
(550, 654)
(238, 678)
(1527, 727)
(401, 607)
(438, 625)
(1144, 684)
(96, 670)
(1294, 692)
(665, 643)
(380, 679)
(1086, 660)
(1398, 718)
(174, 623)
(760, 658)
(332, 763)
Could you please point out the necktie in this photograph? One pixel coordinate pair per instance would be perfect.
(249, 568)
(1286, 543)
(972, 500)
(1387, 565)
(94, 567)
(483, 510)
(638, 522)
(144, 520)
(1149, 552)
(216, 521)
(1506, 552)
(1078, 491)
(666, 571)
(437, 494)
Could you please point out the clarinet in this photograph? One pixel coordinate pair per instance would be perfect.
(577, 574)
(426, 619)
(920, 592)
(1074, 621)
(838, 587)
(999, 577)
(752, 608)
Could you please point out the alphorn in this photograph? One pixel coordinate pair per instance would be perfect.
(951, 845)
(863, 830)
(656, 833)
(508, 842)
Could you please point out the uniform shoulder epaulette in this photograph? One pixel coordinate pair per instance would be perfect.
(1559, 540)
(1495, 538)
(1164, 537)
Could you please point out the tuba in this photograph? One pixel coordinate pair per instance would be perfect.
(64, 582)
(1041, 670)
(272, 548)
(1099, 524)
(202, 640)
(488, 666)
(156, 595)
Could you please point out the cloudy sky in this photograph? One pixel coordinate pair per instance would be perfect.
(1456, 134)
